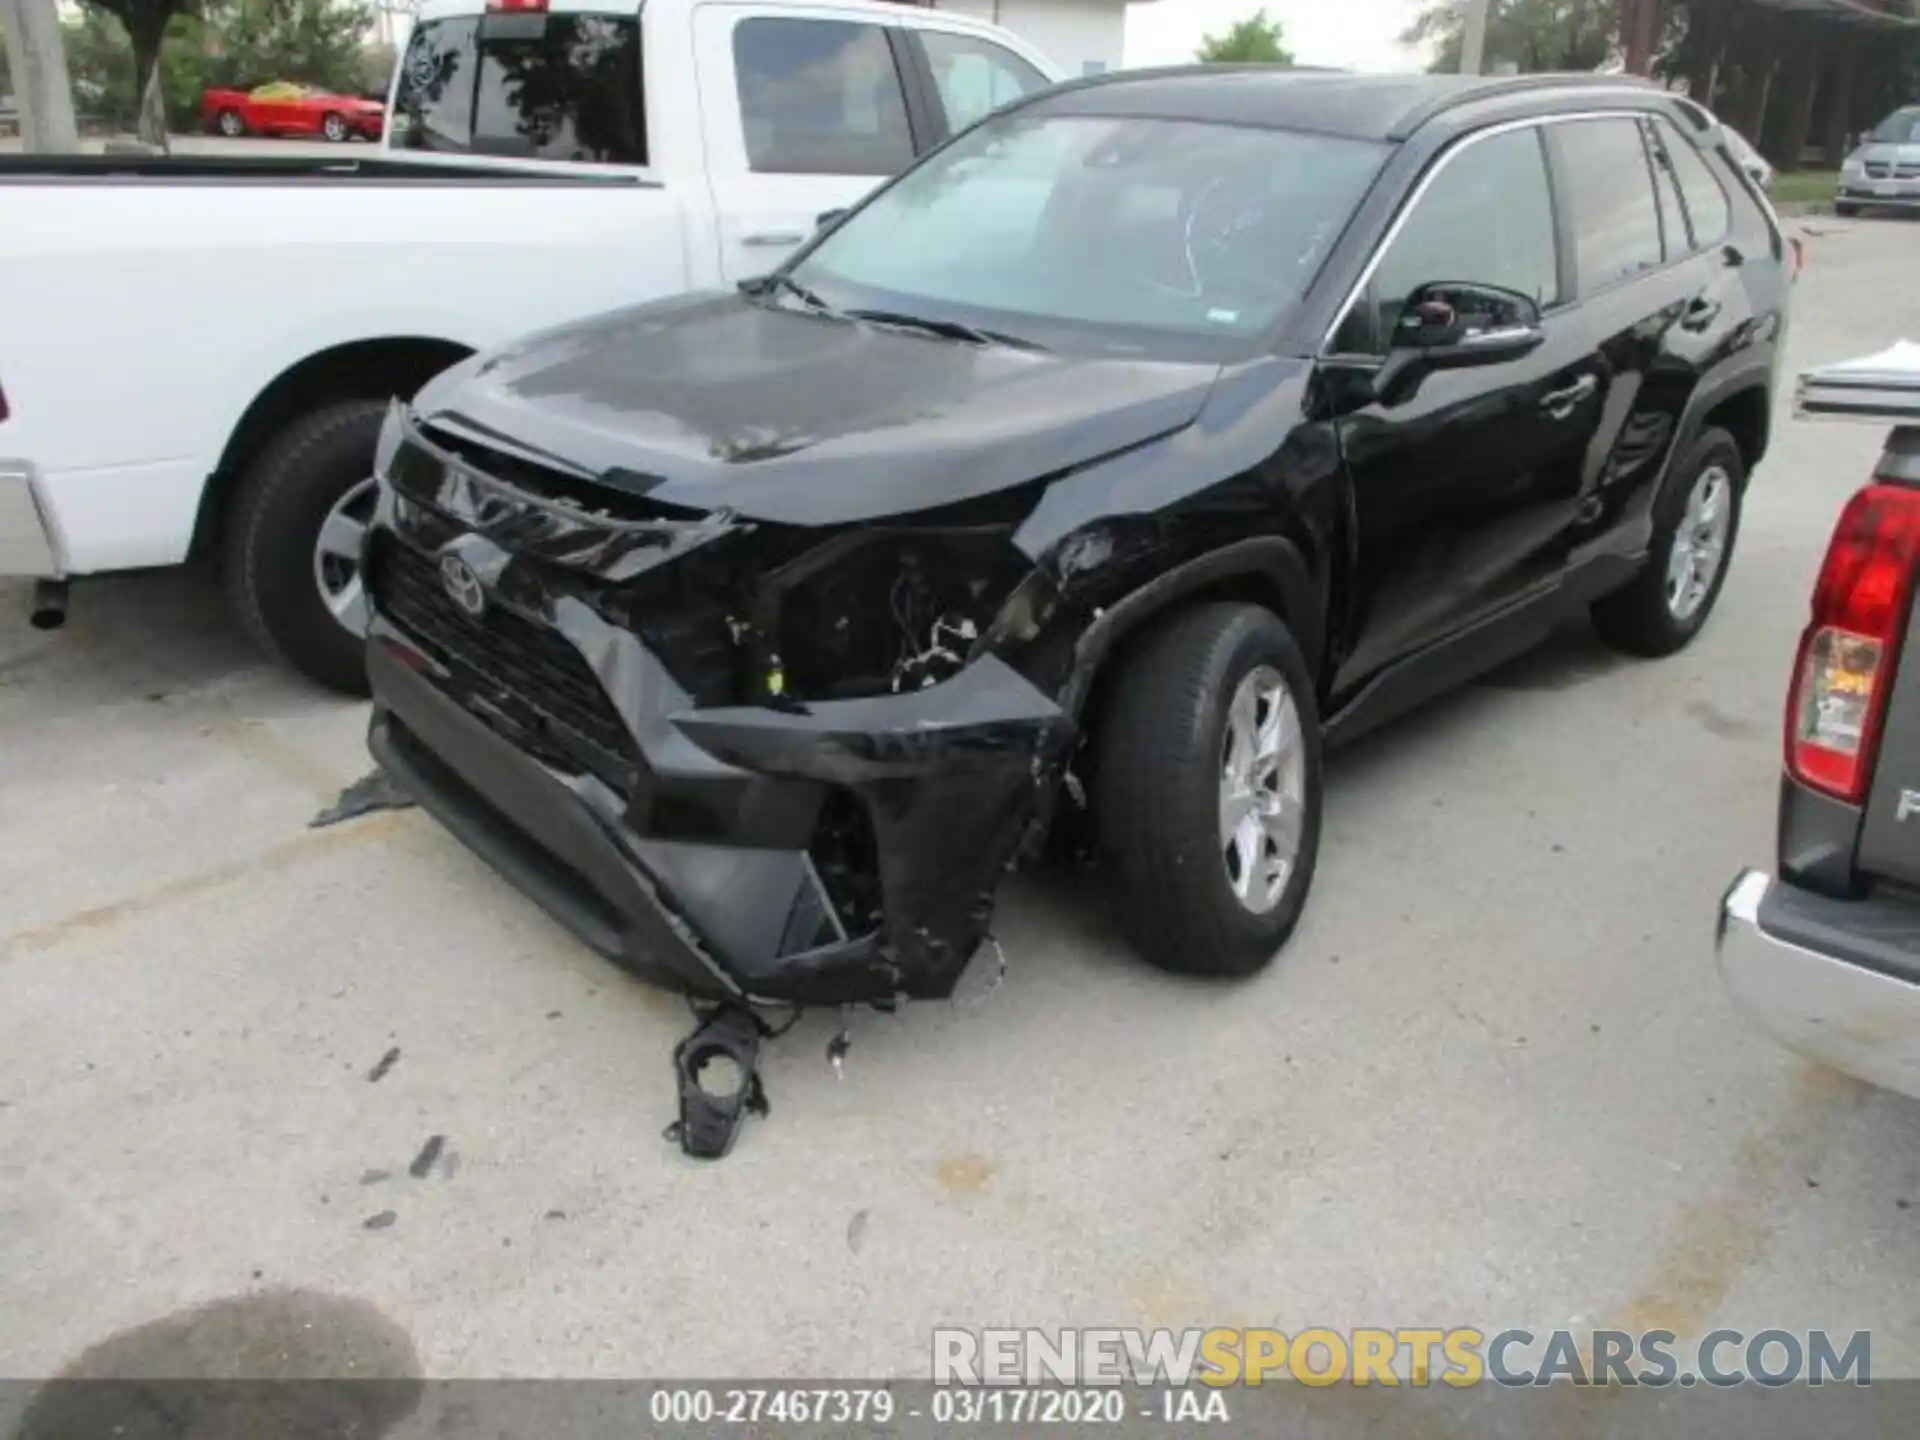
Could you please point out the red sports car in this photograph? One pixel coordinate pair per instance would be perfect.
(288, 109)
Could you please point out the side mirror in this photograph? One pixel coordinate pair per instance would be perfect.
(1455, 325)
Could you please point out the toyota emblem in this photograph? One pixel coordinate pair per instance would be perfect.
(462, 584)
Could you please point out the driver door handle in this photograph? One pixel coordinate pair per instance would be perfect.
(1562, 403)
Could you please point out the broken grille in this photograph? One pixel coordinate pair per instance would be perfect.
(543, 684)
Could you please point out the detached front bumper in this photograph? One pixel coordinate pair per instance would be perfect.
(706, 873)
(1838, 980)
(28, 545)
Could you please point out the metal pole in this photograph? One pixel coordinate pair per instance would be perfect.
(1473, 36)
(38, 60)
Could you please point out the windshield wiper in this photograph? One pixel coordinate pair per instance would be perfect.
(780, 281)
(947, 329)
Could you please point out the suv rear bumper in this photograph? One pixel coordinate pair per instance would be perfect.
(1837, 980)
(27, 543)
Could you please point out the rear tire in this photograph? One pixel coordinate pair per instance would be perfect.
(1645, 618)
(229, 124)
(273, 532)
(334, 129)
(1162, 782)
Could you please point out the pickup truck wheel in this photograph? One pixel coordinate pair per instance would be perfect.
(1208, 790)
(1668, 602)
(292, 547)
(335, 129)
(230, 124)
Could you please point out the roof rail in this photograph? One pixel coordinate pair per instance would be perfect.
(1492, 87)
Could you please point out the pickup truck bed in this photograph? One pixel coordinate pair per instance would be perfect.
(1827, 955)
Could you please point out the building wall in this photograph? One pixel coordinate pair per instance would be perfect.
(1078, 35)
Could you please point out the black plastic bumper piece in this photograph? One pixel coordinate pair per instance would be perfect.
(715, 1102)
(518, 817)
(948, 777)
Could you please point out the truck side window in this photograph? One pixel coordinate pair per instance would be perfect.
(529, 84)
(976, 77)
(1486, 218)
(434, 103)
(820, 97)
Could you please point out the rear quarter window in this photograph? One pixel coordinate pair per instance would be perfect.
(534, 85)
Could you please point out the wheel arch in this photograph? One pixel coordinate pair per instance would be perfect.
(360, 369)
(1746, 414)
(1265, 570)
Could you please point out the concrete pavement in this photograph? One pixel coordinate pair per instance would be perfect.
(1493, 1081)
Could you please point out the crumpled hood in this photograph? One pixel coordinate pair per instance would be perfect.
(716, 402)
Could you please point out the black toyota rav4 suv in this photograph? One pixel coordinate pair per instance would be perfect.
(1090, 476)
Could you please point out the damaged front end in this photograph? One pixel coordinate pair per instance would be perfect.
(766, 763)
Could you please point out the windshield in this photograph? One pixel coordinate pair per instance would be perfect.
(1900, 128)
(1129, 234)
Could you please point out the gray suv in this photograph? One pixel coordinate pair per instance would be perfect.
(1885, 170)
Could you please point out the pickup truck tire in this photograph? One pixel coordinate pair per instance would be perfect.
(274, 527)
(1643, 618)
(1165, 764)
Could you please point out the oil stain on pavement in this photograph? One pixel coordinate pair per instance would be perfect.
(290, 1364)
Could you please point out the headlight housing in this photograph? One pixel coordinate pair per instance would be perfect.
(1854, 168)
(881, 611)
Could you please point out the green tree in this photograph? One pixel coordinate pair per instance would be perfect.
(146, 23)
(237, 43)
(312, 42)
(1533, 35)
(1253, 41)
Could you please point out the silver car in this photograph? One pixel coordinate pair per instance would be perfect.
(1885, 170)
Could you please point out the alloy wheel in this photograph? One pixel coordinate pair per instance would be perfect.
(1263, 788)
(1700, 543)
(336, 556)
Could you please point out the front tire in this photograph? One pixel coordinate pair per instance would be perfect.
(1208, 790)
(1695, 529)
(291, 548)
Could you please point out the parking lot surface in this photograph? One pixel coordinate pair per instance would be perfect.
(1494, 1080)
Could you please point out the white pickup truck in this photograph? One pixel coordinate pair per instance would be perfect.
(195, 353)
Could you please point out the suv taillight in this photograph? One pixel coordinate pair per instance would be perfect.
(1847, 657)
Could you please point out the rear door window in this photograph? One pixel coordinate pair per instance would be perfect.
(528, 84)
(975, 77)
(1707, 206)
(1608, 180)
(1673, 214)
(820, 97)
